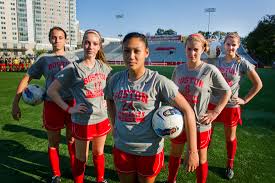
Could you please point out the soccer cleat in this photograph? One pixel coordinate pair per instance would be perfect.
(56, 179)
(104, 181)
(229, 173)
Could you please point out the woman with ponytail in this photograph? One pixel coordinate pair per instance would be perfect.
(86, 79)
(233, 67)
(196, 81)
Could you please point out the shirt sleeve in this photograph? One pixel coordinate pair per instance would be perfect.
(108, 91)
(218, 82)
(167, 89)
(174, 74)
(36, 69)
(246, 66)
(66, 76)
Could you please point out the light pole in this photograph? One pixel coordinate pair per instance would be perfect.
(118, 17)
(209, 10)
(69, 24)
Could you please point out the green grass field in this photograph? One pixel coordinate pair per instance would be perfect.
(23, 144)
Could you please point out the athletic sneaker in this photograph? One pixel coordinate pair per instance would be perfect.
(229, 173)
(56, 179)
(104, 181)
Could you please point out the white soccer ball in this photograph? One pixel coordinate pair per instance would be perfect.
(168, 122)
(33, 94)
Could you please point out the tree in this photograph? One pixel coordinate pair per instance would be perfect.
(217, 34)
(165, 32)
(39, 52)
(261, 41)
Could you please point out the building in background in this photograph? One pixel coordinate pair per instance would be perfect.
(25, 24)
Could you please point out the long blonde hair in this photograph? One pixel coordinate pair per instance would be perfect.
(200, 38)
(100, 54)
(234, 35)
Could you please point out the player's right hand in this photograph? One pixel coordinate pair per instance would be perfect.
(79, 108)
(16, 112)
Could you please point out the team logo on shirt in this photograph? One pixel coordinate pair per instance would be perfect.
(94, 85)
(128, 111)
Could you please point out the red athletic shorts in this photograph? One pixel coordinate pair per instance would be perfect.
(203, 139)
(146, 166)
(88, 132)
(55, 118)
(229, 116)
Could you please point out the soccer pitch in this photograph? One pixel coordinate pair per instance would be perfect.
(23, 144)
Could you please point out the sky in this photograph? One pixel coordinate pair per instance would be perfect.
(183, 16)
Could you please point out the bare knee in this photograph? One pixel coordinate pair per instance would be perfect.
(230, 133)
(98, 151)
(203, 155)
(81, 150)
(69, 136)
(176, 149)
(53, 138)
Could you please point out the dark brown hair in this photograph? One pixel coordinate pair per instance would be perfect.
(142, 37)
(57, 28)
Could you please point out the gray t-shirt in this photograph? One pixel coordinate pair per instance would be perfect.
(196, 85)
(136, 102)
(49, 65)
(232, 72)
(87, 85)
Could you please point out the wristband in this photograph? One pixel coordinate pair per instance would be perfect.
(192, 152)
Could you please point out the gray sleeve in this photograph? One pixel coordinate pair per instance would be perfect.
(66, 76)
(174, 74)
(108, 91)
(167, 89)
(36, 69)
(218, 82)
(246, 66)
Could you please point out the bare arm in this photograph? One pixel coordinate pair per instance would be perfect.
(211, 115)
(53, 93)
(111, 108)
(16, 112)
(257, 85)
(190, 130)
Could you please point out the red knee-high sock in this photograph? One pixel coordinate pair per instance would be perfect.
(173, 167)
(231, 147)
(202, 172)
(99, 163)
(79, 171)
(71, 149)
(54, 160)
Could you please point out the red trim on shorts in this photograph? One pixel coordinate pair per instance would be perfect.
(229, 116)
(203, 139)
(146, 166)
(88, 132)
(54, 117)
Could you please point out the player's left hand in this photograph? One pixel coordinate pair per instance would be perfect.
(207, 118)
(193, 162)
(238, 101)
